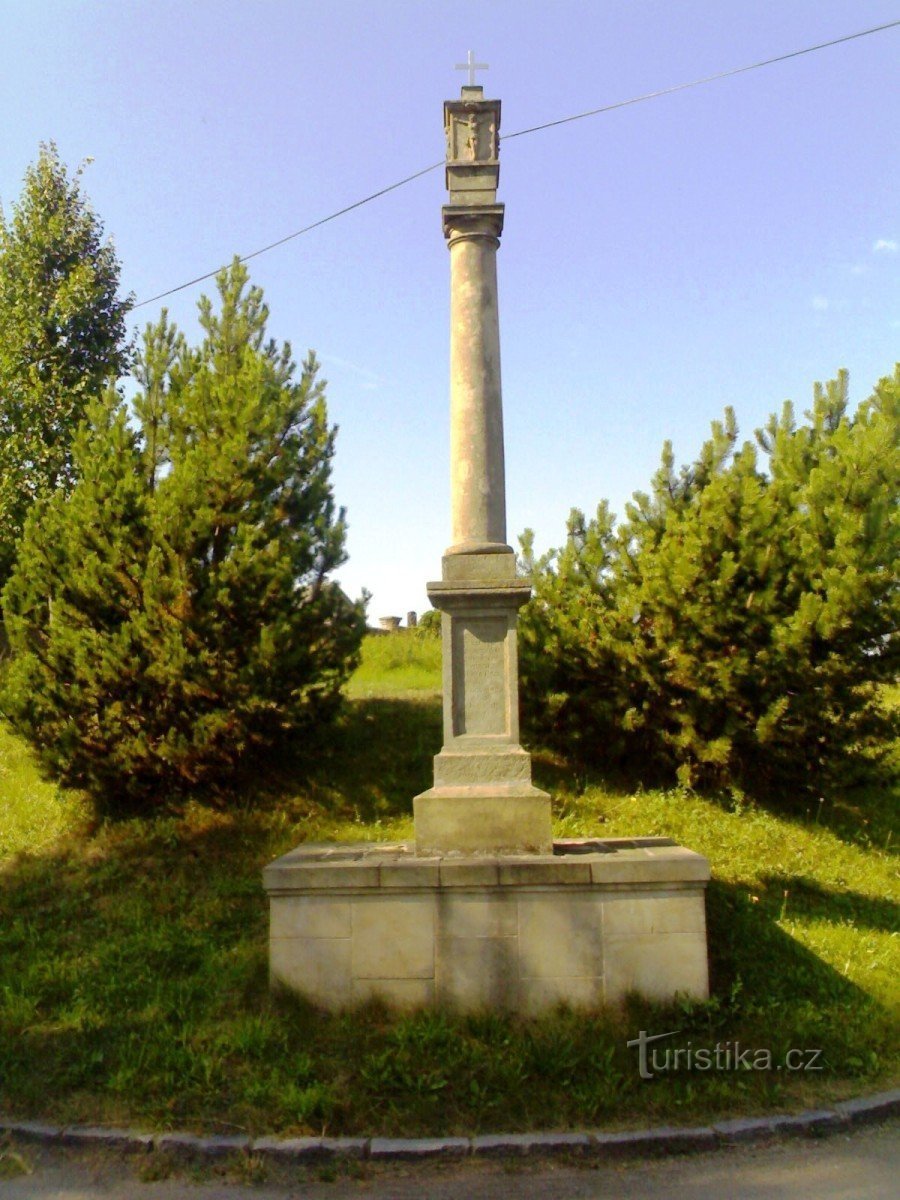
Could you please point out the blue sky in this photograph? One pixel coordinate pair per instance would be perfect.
(725, 245)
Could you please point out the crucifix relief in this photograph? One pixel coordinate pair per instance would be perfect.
(472, 126)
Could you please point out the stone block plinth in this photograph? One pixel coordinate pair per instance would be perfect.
(584, 925)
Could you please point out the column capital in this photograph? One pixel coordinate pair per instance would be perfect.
(472, 221)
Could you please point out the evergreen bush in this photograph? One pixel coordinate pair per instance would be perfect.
(736, 628)
(173, 613)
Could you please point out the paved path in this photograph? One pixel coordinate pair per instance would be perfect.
(863, 1165)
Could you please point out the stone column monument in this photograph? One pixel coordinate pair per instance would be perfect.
(484, 910)
(483, 798)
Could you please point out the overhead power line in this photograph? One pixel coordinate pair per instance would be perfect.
(593, 112)
(315, 225)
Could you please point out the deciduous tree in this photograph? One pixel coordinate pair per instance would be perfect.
(62, 328)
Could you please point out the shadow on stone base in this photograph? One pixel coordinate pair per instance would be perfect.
(584, 925)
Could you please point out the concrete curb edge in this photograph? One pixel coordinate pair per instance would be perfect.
(640, 1143)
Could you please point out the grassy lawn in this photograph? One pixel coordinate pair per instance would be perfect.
(133, 955)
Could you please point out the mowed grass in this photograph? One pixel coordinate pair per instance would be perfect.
(397, 664)
(34, 813)
(133, 960)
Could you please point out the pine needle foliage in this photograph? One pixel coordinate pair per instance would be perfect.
(735, 629)
(62, 330)
(173, 614)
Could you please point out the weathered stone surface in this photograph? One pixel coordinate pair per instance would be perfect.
(812, 1123)
(187, 1145)
(561, 939)
(640, 866)
(424, 871)
(324, 873)
(543, 993)
(452, 770)
(649, 1142)
(406, 995)
(318, 968)
(543, 869)
(488, 570)
(744, 1129)
(478, 973)
(129, 1141)
(393, 937)
(656, 966)
(305, 1149)
(478, 914)
(483, 818)
(646, 916)
(415, 1149)
(870, 1108)
(32, 1131)
(521, 931)
(560, 1143)
(316, 916)
(469, 872)
(501, 1145)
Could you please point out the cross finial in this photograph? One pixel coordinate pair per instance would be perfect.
(471, 66)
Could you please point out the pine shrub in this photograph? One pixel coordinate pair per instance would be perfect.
(736, 628)
(173, 613)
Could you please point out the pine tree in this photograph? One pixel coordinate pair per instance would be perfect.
(736, 628)
(190, 618)
(61, 336)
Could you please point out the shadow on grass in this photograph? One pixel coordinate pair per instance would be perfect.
(367, 766)
(752, 957)
(865, 815)
(803, 897)
(134, 987)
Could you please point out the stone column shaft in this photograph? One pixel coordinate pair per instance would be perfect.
(478, 486)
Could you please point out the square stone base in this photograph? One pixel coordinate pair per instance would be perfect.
(584, 925)
(497, 819)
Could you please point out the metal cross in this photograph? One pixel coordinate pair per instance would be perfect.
(471, 66)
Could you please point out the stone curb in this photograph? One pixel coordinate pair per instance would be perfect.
(641, 1143)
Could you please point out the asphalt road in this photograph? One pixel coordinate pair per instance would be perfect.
(863, 1165)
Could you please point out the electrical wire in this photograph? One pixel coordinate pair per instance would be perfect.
(315, 225)
(678, 87)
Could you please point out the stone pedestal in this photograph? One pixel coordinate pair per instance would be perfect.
(584, 925)
(483, 798)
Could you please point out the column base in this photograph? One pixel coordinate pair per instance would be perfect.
(511, 818)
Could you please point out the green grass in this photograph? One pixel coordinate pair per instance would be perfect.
(133, 964)
(34, 813)
(398, 664)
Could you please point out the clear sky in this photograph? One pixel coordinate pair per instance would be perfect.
(729, 244)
